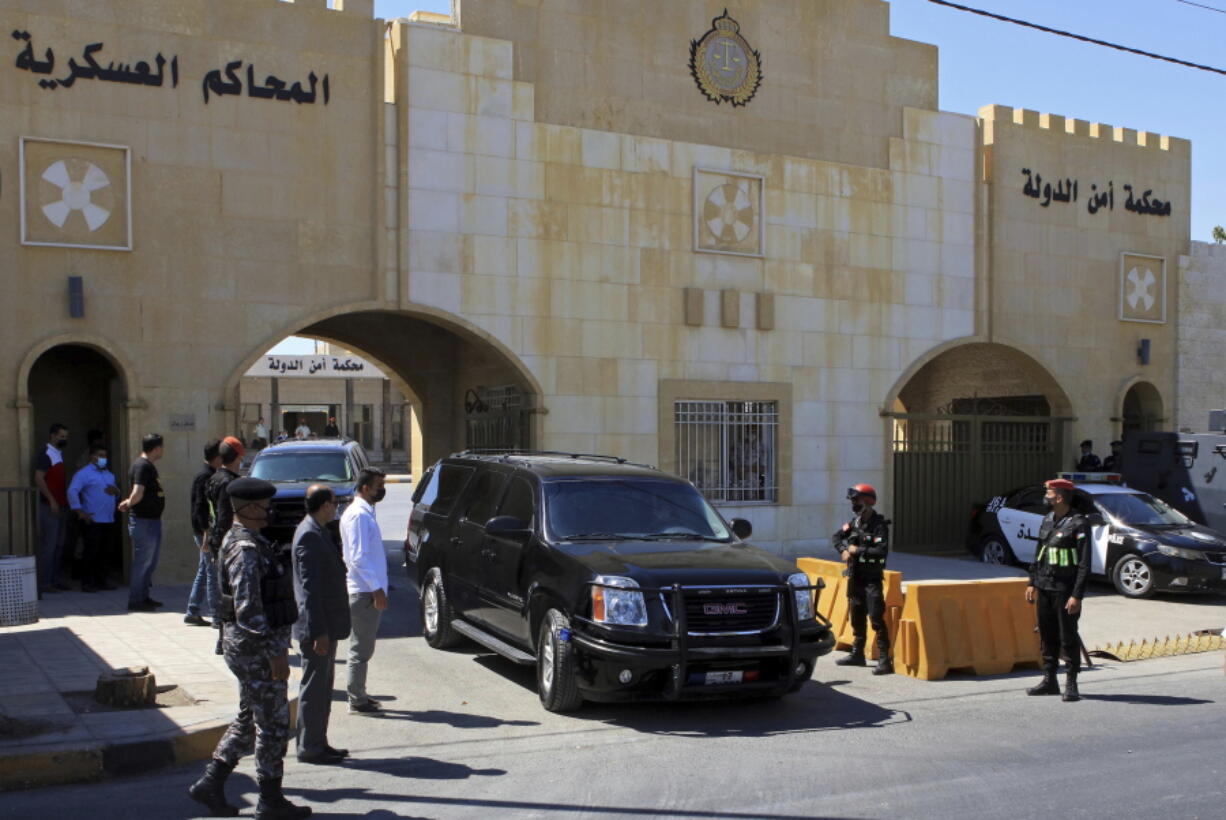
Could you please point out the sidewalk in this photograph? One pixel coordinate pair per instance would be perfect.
(51, 666)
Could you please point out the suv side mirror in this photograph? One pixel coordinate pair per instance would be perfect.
(507, 526)
(741, 528)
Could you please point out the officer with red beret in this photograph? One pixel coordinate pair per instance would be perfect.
(1057, 585)
(864, 542)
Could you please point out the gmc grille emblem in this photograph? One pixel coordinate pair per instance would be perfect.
(725, 609)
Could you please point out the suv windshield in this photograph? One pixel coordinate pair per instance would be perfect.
(635, 508)
(1141, 510)
(302, 467)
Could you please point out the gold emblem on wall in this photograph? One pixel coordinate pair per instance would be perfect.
(728, 212)
(725, 66)
(75, 194)
(1142, 288)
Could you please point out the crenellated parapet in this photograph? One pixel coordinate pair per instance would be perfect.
(996, 117)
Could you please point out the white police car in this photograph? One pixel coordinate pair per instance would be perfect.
(1139, 542)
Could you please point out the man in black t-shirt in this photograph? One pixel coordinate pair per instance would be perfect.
(144, 507)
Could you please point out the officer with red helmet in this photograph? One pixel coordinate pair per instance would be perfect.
(864, 542)
(1057, 585)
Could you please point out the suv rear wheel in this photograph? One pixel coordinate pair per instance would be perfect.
(436, 613)
(555, 665)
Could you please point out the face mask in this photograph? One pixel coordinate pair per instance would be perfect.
(857, 508)
(257, 514)
(101, 463)
(379, 496)
(61, 444)
(1048, 503)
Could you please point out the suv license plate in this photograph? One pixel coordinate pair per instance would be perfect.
(716, 678)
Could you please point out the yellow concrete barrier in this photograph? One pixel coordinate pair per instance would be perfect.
(984, 627)
(832, 602)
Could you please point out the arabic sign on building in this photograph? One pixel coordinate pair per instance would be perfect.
(314, 367)
(141, 72)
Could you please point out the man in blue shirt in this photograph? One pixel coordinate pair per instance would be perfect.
(91, 495)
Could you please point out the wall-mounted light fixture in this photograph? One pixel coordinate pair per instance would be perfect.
(76, 297)
(1143, 352)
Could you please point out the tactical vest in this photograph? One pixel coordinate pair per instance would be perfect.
(1060, 546)
(861, 564)
(276, 592)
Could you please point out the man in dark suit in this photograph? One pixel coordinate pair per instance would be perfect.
(323, 620)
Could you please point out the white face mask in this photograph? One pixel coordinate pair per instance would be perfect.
(102, 462)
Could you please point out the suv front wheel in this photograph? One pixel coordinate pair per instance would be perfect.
(555, 665)
(436, 613)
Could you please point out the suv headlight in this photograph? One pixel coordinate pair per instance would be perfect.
(804, 597)
(1177, 552)
(618, 601)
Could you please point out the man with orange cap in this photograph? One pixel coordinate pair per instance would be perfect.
(864, 542)
(1057, 585)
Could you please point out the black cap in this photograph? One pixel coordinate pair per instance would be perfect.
(250, 489)
(1087, 443)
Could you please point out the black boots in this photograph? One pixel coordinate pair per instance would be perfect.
(210, 789)
(884, 666)
(1070, 688)
(1047, 686)
(853, 658)
(274, 806)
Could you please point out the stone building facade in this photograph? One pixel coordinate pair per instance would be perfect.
(744, 245)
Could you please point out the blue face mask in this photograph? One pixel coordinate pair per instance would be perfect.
(102, 463)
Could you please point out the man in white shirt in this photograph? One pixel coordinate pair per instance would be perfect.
(302, 431)
(362, 544)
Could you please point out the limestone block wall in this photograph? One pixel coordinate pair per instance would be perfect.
(247, 212)
(1202, 335)
(574, 247)
(1054, 276)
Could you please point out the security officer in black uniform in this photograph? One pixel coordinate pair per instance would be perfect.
(1057, 585)
(257, 610)
(864, 542)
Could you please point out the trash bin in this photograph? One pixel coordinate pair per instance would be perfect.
(18, 590)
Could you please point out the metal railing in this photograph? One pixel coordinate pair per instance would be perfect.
(18, 520)
(729, 449)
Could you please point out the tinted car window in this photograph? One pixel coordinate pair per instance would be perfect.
(484, 498)
(1140, 509)
(629, 507)
(520, 501)
(302, 467)
(426, 485)
(1031, 501)
(443, 486)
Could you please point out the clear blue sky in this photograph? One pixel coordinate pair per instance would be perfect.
(984, 61)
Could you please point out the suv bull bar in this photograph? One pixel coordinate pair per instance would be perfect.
(680, 654)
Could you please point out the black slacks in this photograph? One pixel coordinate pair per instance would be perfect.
(97, 537)
(1058, 630)
(315, 698)
(866, 601)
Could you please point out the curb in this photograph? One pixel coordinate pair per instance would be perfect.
(398, 479)
(58, 767)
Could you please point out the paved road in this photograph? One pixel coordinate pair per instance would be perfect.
(464, 736)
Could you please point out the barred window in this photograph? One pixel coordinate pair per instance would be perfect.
(729, 449)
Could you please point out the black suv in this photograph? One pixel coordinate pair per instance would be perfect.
(295, 465)
(616, 580)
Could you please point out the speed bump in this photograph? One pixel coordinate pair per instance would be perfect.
(984, 627)
(832, 602)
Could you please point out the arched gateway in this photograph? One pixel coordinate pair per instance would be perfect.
(973, 421)
(467, 389)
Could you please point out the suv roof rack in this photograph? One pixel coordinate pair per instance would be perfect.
(508, 454)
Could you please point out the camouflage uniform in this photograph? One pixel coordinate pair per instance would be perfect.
(251, 641)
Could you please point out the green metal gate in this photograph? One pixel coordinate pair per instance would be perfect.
(944, 464)
(497, 418)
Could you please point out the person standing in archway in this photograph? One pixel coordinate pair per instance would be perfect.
(260, 440)
(1088, 463)
(91, 495)
(144, 507)
(51, 480)
(303, 431)
(330, 429)
(1115, 462)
